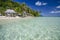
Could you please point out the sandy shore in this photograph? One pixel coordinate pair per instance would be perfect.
(4, 17)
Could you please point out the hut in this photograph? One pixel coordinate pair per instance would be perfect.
(10, 13)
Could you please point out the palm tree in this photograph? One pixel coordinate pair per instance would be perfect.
(23, 6)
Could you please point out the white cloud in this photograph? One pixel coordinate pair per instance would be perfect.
(38, 3)
(58, 6)
(44, 4)
(55, 11)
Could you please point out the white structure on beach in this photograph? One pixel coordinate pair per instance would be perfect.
(24, 14)
(10, 12)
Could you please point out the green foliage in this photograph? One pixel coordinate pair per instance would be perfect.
(19, 8)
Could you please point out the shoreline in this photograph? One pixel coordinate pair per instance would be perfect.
(4, 17)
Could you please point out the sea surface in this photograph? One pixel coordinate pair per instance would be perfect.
(38, 28)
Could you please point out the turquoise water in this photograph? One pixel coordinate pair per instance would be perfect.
(39, 28)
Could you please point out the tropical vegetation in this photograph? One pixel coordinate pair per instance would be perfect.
(18, 7)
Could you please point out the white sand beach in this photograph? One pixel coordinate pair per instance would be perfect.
(4, 17)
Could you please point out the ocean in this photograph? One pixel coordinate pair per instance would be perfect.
(38, 28)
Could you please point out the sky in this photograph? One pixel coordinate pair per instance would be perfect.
(46, 7)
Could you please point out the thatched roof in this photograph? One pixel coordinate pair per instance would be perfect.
(10, 11)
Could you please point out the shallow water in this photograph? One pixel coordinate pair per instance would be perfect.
(39, 28)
